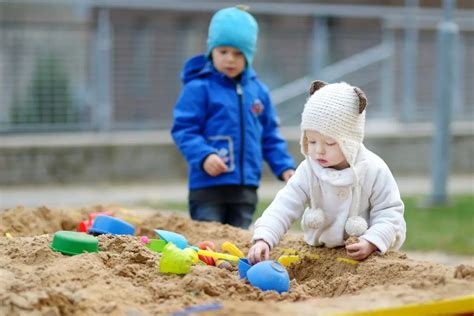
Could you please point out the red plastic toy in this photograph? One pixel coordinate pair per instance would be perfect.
(210, 246)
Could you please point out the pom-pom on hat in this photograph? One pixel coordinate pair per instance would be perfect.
(233, 27)
(335, 110)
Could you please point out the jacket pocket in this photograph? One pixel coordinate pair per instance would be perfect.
(224, 147)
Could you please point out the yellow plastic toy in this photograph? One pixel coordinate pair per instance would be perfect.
(175, 260)
(193, 254)
(232, 249)
(286, 260)
(463, 305)
(312, 256)
(217, 255)
(345, 260)
(292, 252)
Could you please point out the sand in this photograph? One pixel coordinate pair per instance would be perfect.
(123, 278)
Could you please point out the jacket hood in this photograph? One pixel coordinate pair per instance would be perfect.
(194, 67)
(200, 65)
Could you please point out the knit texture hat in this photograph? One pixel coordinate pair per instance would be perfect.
(335, 110)
(233, 27)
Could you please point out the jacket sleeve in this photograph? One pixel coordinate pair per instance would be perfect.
(288, 205)
(387, 227)
(275, 148)
(189, 122)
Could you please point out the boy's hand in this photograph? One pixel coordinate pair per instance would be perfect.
(287, 174)
(360, 250)
(214, 165)
(259, 252)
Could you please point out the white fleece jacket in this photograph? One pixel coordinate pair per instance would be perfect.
(334, 191)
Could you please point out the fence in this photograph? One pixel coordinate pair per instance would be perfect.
(109, 65)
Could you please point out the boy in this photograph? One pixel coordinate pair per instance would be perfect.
(225, 124)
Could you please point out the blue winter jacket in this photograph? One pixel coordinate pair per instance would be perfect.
(235, 120)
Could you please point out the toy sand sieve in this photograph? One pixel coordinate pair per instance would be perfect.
(74, 243)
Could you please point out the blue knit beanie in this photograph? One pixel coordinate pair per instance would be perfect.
(233, 27)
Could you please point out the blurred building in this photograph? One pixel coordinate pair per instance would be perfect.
(112, 67)
(115, 65)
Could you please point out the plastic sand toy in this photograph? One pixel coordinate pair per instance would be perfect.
(193, 254)
(175, 260)
(85, 225)
(104, 224)
(218, 255)
(209, 246)
(172, 237)
(243, 265)
(269, 275)
(349, 261)
(74, 243)
(232, 249)
(287, 260)
(156, 245)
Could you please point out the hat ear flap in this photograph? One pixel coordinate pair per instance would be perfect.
(316, 85)
(362, 99)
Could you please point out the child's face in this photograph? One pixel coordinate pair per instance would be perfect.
(228, 60)
(325, 151)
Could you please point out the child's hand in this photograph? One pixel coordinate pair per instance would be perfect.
(287, 174)
(360, 250)
(259, 252)
(214, 165)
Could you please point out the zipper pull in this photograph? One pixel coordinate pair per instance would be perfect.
(239, 89)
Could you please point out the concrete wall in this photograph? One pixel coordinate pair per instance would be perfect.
(151, 156)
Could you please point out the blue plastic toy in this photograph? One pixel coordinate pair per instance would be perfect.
(111, 225)
(269, 275)
(177, 239)
(243, 265)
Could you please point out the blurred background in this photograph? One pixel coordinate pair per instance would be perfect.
(87, 90)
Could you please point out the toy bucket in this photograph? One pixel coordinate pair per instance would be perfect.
(269, 275)
(243, 265)
(111, 225)
(175, 260)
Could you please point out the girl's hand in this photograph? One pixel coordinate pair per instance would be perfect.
(214, 165)
(259, 252)
(360, 250)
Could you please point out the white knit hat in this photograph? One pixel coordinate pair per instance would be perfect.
(335, 110)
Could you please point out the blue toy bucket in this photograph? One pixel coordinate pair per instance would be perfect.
(269, 275)
(111, 225)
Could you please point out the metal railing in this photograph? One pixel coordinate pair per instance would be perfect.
(103, 65)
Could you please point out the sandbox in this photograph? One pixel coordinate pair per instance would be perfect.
(123, 278)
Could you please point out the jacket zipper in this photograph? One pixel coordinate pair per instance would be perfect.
(242, 142)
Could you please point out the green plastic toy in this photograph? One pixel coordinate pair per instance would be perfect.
(74, 243)
(156, 245)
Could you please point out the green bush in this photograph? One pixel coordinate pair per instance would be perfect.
(48, 98)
